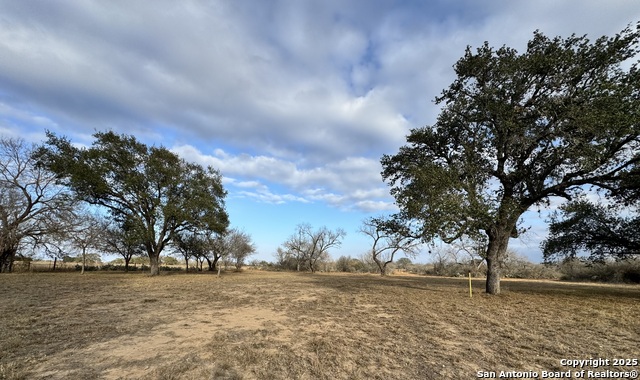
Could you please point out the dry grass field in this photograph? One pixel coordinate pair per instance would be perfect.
(265, 325)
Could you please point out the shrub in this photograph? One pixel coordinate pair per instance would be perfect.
(580, 269)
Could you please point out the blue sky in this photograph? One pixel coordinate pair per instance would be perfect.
(294, 101)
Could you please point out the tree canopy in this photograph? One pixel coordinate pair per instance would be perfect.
(516, 129)
(599, 230)
(151, 187)
(124, 239)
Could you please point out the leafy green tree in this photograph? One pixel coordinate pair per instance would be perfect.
(189, 245)
(153, 188)
(169, 260)
(343, 264)
(516, 129)
(404, 263)
(124, 238)
(582, 226)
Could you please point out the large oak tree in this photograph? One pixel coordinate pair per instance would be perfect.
(151, 187)
(516, 129)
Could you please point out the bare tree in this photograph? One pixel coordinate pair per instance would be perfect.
(460, 257)
(475, 247)
(442, 257)
(368, 265)
(323, 262)
(32, 205)
(86, 234)
(310, 247)
(229, 248)
(387, 241)
(240, 247)
(295, 248)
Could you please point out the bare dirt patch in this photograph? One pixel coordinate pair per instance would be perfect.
(262, 325)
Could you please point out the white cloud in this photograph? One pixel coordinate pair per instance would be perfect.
(351, 183)
(12, 119)
(312, 81)
(258, 191)
(203, 71)
(268, 197)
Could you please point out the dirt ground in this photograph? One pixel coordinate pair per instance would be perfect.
(270, 325)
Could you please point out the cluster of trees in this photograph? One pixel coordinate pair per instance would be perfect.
(453, 261)
(306, 247)
(234, 247)
(366, 264)
(602, 230)
(596, 241)
(586, 269)
(144, 200)
(516, 130)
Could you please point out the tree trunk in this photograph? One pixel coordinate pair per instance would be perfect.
(55, 261)
(493, 275)
(6, 260)
(498, 242)
(126, 263)
(84, 261)
(154, 265)
(214, 264)
(186, 263)
(382, 267)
